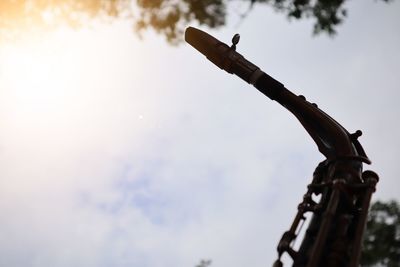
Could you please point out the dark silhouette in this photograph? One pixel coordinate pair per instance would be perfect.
(381, 244)
(334, 235)
(167, 17)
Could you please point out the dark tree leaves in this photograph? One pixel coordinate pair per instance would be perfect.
(170, 18)
(167, 17)
(204, 263)
(382, 237)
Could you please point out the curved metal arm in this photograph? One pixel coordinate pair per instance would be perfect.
(332, 139)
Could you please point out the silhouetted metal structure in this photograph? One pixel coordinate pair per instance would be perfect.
(334, 234)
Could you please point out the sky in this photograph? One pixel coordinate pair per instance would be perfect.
(120, 151)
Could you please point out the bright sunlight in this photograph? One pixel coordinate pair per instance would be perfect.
(64, 79)
(35, 78)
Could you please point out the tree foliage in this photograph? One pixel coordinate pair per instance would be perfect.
(382, 236)
(204, 263)
(167, 17)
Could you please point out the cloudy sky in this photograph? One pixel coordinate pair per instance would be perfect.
(116, 151)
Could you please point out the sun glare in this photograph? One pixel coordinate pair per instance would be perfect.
(33, 77)
(68, 84)
(48, 88)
